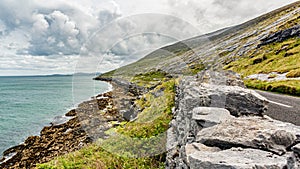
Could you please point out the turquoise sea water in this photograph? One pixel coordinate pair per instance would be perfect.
(27, 104)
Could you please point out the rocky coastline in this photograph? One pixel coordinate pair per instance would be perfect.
(217, 123)
(87, 123)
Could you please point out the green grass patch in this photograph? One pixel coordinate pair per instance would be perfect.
(291, 87)
(196, 68)
(149, 79)
(108, 74)
(94, 157)
(282, 57)
(156, 112)
(279, 57)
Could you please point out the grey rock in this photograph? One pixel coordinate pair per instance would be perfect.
(196, 147)
(296, 149)
(210, 116)
(293, 161)
(239, 101)
(236, 158)
(251, 132)
(171, 142)
(281, 35)
(209, 89)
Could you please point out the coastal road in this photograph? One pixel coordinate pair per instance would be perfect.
(282, 107)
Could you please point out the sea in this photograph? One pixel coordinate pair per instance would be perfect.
(28, 103)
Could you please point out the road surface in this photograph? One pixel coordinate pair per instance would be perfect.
(282, 107)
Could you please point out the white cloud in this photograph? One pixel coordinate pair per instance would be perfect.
(47, 36)
(209, 15)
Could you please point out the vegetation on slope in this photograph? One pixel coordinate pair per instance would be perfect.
(149, 79)
(283, 57)
(137, 144)
(280, 57)
(291, 87)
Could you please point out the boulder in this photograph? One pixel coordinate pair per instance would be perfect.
(239, 101)
(236, 158)
(196, 147)
(251, 132)
(210, 116)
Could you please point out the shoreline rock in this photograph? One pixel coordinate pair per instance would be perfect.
(55, 140)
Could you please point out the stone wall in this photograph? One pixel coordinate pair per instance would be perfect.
(220, 124)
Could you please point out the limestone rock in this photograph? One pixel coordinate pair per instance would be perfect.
(296, 149)
(237, 100)
(214, 91)
(251, 132)
(71, 113)
(236, 158)
(210, 116)
(281, 35)
(196, 147)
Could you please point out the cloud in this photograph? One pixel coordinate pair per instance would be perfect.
(216, 14)
(53, 34)
(130, 34)
(58, 29)
(113, 32)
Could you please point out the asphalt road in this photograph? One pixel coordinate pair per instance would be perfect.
(282, 107)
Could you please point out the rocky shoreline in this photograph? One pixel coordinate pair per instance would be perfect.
(218, 123)
(87, 123)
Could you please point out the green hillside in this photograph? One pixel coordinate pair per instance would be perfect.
(237, 48)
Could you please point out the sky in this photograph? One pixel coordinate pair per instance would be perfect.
(39, 37)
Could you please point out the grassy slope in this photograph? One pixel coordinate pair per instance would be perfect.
(234, 47)
(280, 57)
(220, 47)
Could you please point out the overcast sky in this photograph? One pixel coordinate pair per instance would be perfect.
(66, 36)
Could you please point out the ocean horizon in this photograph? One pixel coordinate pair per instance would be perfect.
(28, 103)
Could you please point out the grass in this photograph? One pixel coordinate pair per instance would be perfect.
(195, 68)
(294, 73)
(291, 87)
(277, 57)
(156, 112)
(138, 144)
(95, 157)
(149, 79)
(281, 57)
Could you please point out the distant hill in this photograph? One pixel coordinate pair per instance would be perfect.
(238, 48)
